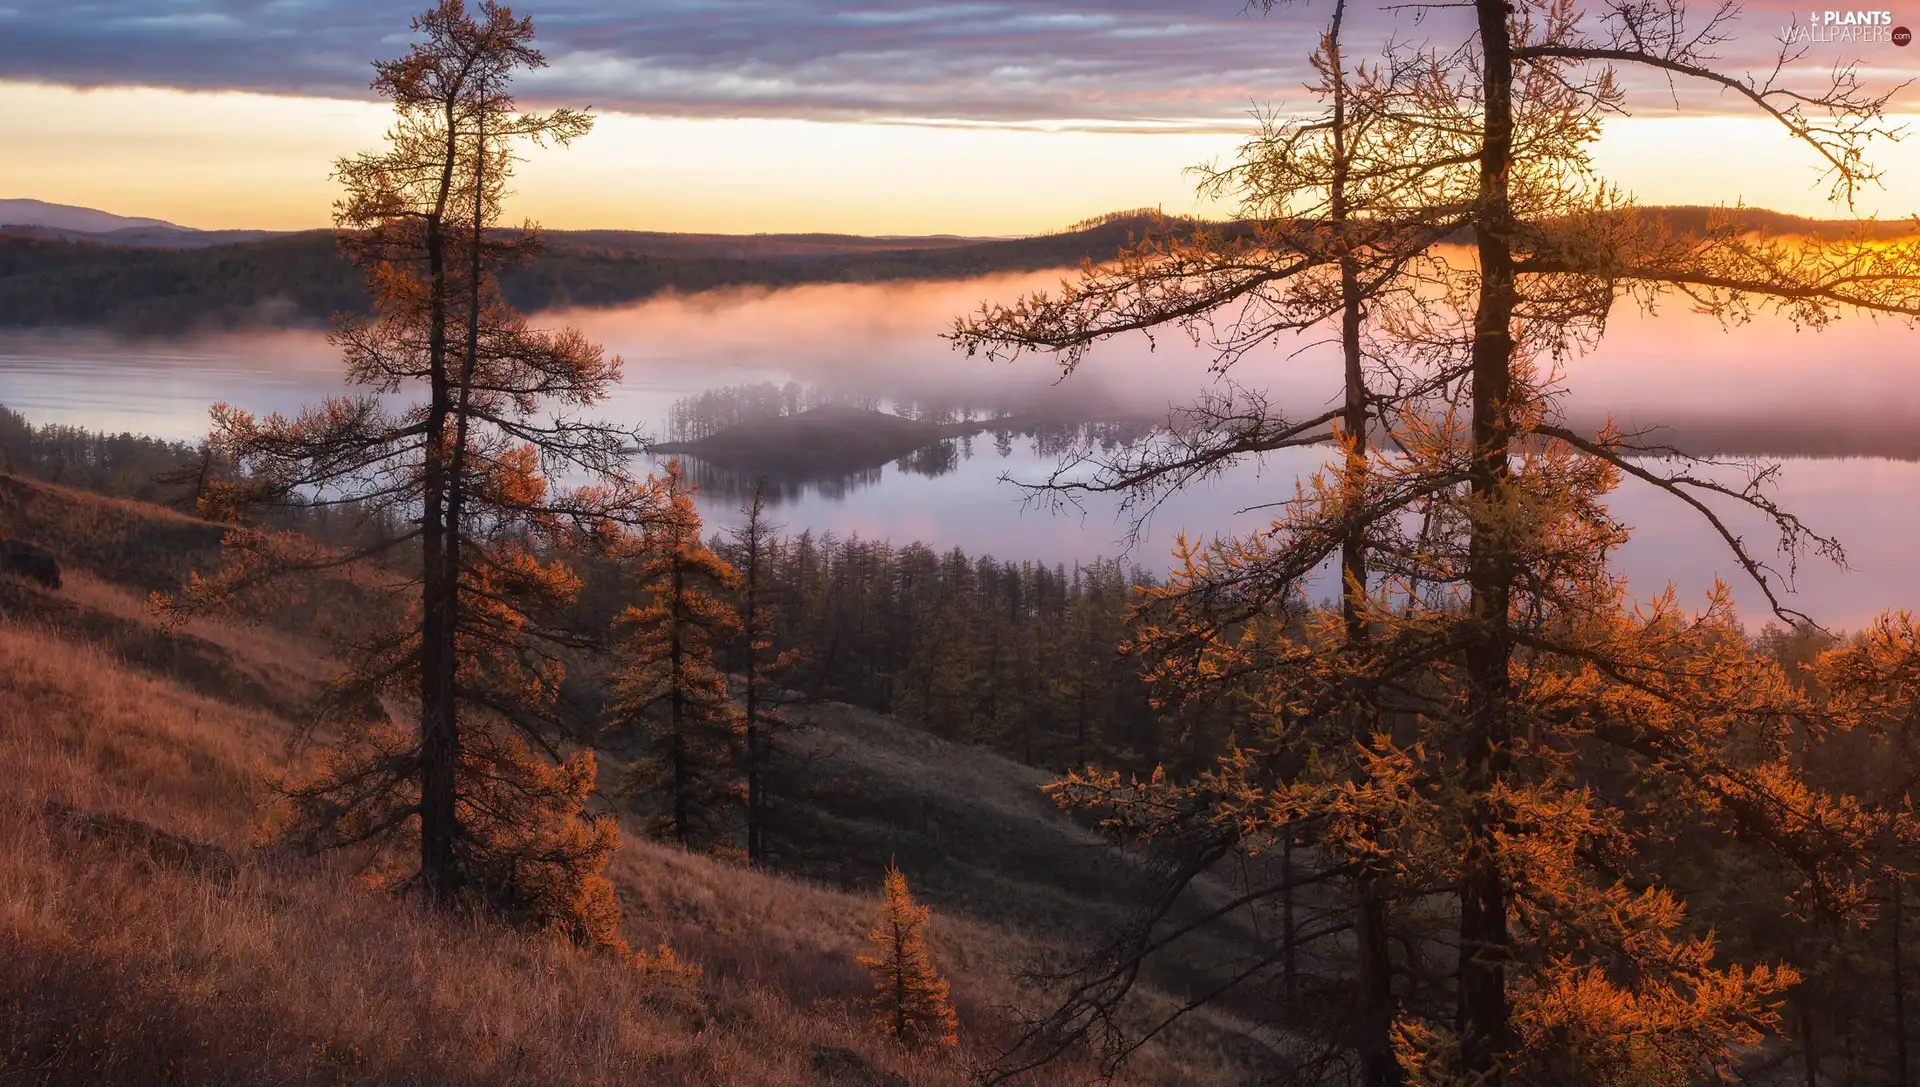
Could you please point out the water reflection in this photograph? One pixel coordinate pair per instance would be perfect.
(1866, 502)
(160, 387)
(728, 487)
(1852, 389)
(789, 474)
(932, 462)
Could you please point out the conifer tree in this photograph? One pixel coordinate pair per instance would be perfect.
(199, 480)
(909, 996)
(469, 632)
(1503, 651)
(754, 556)
(669, 690)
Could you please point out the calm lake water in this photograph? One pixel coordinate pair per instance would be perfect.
(1839, 408)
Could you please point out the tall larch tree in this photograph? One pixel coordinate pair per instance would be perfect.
(476, 788)
(1333, 211)
(670, 692)
(1545, 280)
(1501, 651)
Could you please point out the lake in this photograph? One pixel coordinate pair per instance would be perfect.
(1839, 408)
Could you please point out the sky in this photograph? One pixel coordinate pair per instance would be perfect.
(980, 117)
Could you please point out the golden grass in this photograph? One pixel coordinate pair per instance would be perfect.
(119, 971)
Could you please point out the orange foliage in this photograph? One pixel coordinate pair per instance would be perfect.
(669, 689)
(463, 535)
(1631, 725)
(909, 997)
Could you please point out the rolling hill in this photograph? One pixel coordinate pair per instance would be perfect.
(65, 222)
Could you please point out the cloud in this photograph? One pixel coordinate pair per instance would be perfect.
(1125, 64)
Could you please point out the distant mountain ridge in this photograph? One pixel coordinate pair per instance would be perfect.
(147, 237)
(23, 212)
(67, 222)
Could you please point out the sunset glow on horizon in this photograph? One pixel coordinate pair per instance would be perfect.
(1073, 116)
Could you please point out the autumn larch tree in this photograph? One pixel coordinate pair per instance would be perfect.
(1853, 1012)
(1506, 647)
(1546, 77)
(669, 690)
(910, 998)
(478, 786)
(1333, 211)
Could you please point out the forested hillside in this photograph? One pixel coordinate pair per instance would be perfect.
(302, 280)
(1013, 655)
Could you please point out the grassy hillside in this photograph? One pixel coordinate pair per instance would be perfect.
(131, 952)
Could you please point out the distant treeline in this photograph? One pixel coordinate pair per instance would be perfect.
(149, 469)
(1020, 657)
(1017, 656)
(299, 280)
(706, 413)
(121, 465)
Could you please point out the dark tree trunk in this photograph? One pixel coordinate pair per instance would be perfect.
(1485, 1028)
(756, 744)
(1809, 1056)
(439, 658)
(756, 811)
(1080, 722)
(751, 606)
(677, 715)
(439, 724)
(1374, 1023)
(1289, 929)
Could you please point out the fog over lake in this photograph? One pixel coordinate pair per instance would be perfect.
(1839, 407)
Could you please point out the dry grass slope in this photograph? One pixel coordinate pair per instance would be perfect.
(120, 967)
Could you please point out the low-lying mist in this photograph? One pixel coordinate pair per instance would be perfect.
(1852, 388)
(1762, 387)
(884, 340)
